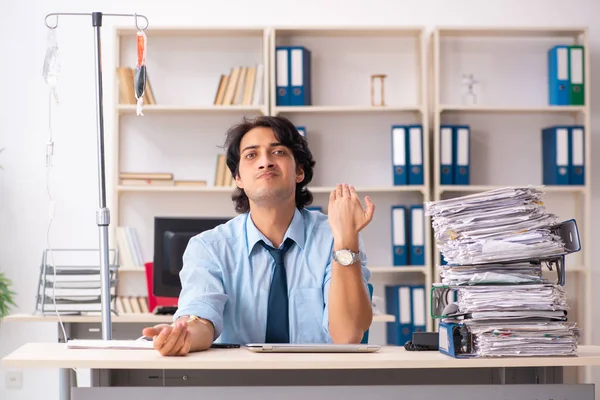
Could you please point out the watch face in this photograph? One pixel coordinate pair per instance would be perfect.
(344, 257)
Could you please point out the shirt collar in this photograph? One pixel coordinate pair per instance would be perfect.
(295, 231)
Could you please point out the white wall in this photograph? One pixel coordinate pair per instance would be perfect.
(23, 124)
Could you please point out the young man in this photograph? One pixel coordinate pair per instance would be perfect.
(234, 288)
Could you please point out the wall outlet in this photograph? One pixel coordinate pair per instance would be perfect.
(13, 379)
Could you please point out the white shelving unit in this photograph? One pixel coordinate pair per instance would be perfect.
(350, 139)
(181, 133)
(506, 123)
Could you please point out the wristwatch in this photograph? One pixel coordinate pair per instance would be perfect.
(345, 257)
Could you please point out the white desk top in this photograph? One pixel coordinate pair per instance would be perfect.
(145, 318)
(57, 355)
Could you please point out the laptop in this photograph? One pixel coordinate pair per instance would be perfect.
(311, 348)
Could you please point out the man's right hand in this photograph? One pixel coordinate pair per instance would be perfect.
(170, 340)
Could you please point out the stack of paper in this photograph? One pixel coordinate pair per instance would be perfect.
(543, 338)
(493, 243)
(525, 272)
(496, 225)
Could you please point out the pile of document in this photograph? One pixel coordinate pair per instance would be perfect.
(495, 243)
(496, 225)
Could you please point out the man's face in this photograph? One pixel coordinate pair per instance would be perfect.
(267, 170)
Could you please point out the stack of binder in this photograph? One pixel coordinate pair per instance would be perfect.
(407, 304)
(563, 155)
(408, 235)
(407, 154)
(70, 282)
(496, 245)
(293, 76)
(566, 75)
(455, 154)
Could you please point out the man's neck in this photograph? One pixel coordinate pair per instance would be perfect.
(273, 222)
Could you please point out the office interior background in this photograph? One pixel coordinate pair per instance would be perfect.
(350, 146)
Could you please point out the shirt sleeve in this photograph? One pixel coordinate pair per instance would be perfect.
(366, 274)
(202, 290)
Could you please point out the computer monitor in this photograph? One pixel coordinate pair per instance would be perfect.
(171, 237)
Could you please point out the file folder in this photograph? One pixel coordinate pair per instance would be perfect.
(399, 141)
(282, 78)
(405, 314)
(417, 235)
(398, 303)
(301, 130)
(300, 76)
(462, 154)
(446, 151)
(418, 308)
(558, 76)
(555, 155)
(399, 254)
(577, 145)
(576, 76)
(415, 155)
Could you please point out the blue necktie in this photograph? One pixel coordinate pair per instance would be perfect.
(278, 326)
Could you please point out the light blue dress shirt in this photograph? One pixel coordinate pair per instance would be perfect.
(226, 277)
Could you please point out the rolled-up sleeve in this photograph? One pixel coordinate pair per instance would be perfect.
(202, 290)
(366, 275)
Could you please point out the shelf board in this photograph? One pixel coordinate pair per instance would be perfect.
(132, 269)
(221, 31)
(399, 269)
(510, 109)
(384, 318)
(483, 188)
(373, 189)
(175, 189)
(356, 31)
(228, 189)
(511, 31)
(159, 108)
(345, 109)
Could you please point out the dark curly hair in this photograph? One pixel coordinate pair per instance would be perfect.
(287, 134)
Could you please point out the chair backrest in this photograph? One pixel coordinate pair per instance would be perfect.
(365, 339)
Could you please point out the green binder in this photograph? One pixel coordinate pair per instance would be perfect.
(577, 75)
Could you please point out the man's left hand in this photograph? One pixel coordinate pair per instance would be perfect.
(346, 214)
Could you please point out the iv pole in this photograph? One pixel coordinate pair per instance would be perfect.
(103, 213)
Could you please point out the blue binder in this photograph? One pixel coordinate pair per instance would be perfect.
(558, 76)
(399, 237)
(419, 313)
(577, 146)
(462, 154)
(301, 130)
(446, 155)
(417, 235)
(300, 76)
(282, 76)
(442, 259)
(415, 154)
(555, 155)
(398, 303)
(399, 142)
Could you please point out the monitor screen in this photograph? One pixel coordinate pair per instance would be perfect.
(171, 237)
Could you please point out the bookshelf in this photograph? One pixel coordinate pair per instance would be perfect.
(351, 138)
(505, 126)
(182, 130)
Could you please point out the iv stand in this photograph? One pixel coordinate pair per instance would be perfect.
(103, 213)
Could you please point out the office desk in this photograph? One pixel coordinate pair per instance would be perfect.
(228, 373)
